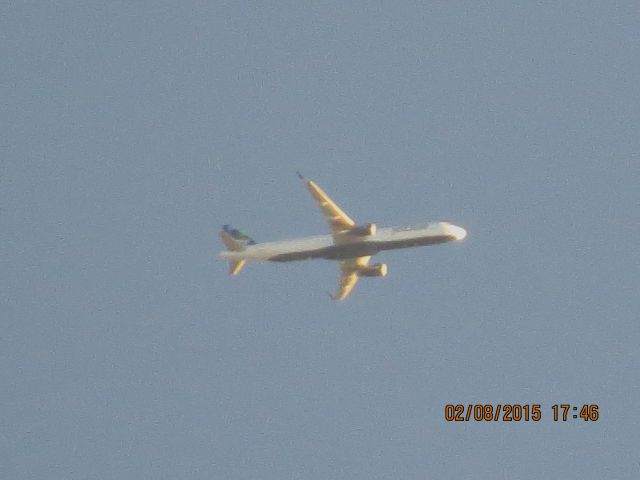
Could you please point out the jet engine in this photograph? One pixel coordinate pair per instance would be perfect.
(363, 230)
(375, 270)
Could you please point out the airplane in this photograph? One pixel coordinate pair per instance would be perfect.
(351, 244)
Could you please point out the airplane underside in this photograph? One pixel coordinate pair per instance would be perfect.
(355, 250)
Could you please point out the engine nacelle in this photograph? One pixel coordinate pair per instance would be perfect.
(375, 270)
(363, 230)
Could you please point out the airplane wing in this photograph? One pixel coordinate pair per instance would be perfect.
(338, 222)
(349, 276)
(333, 214)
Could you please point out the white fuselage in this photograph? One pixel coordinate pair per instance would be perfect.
(349, 246)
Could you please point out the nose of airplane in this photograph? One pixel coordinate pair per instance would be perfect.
(457, 232)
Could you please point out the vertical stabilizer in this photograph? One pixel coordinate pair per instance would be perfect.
(235, 241)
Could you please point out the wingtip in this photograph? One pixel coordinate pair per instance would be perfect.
(335, 298)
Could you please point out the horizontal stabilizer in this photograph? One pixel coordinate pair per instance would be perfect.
(235, 266)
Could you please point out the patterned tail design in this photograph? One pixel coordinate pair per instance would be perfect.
(235, 241)
(238, 235)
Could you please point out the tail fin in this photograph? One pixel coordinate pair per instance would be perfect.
(237, 235)
(235, 241)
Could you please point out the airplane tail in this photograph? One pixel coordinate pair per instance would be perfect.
(235, 241)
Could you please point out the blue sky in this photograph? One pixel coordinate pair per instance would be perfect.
(131, 132)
